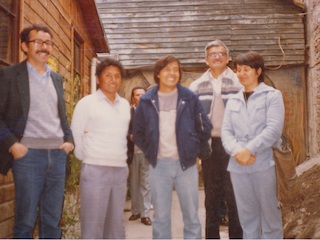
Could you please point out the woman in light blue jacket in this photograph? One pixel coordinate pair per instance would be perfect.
(252, 125)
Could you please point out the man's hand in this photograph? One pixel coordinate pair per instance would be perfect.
(67, 147)
(131, 137)
(18, 150)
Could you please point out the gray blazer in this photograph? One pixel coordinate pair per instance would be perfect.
(14, 109)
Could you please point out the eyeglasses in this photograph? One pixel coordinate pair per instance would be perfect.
(216, 55)
(39, 43)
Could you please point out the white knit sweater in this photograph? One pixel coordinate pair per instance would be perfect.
(100, 128)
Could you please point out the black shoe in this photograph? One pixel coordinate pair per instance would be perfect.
(134, 217)
(224, 221)
(146, 221)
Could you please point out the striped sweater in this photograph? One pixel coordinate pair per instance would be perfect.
(204, 89)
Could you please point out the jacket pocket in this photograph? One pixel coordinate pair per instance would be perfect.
(192, 147)
(260, 112)
(234, 106)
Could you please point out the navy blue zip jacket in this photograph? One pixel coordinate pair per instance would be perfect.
(193, 127)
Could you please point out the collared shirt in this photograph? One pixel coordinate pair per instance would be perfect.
(217, 110)
(34, 75)
(203, 87)
(216, 82)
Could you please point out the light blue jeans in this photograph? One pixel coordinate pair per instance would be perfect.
(39, 179)
(163, 178)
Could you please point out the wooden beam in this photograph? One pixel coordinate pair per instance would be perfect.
(300, 4)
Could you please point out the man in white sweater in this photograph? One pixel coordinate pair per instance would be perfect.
(100, 125)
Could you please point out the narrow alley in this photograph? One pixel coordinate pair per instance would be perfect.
(137, 230)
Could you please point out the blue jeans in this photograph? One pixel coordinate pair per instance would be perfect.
(163, 178)
(39, 179)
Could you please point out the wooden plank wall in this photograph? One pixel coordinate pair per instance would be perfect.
(142, 30)
(63, 17)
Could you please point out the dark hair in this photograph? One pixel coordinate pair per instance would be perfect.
(161, 63)
(253, 60)
(24, 35)
(109, 62)
(136, 88)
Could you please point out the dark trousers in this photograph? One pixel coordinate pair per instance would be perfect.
(217, 183)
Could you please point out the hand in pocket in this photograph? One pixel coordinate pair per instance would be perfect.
(18, 150)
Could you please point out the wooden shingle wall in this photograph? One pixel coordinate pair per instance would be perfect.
(140, 31)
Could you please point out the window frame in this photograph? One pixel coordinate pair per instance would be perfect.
(78, 49)
(13, 38)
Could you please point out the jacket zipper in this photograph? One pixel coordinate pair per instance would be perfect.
(181, 102)
(154, 104)
(201, 121)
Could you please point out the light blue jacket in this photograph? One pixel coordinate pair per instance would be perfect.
(256, 125)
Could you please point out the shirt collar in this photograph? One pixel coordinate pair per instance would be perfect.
(102, 96)
(219, 77)
(32, 70)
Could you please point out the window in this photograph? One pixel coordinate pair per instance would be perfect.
(9, 34)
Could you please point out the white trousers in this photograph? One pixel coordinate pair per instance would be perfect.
(102, 200)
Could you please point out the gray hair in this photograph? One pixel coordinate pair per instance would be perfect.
(215, 43)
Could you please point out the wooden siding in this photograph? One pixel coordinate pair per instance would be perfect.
(141, 31)
(63, 17)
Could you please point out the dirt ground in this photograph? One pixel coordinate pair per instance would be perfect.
(302, 219)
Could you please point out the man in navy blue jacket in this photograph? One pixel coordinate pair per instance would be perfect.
(172, 130)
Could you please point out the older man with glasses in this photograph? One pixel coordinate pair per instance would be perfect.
(214, 88)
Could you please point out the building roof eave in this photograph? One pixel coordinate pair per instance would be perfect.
(94, 25)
